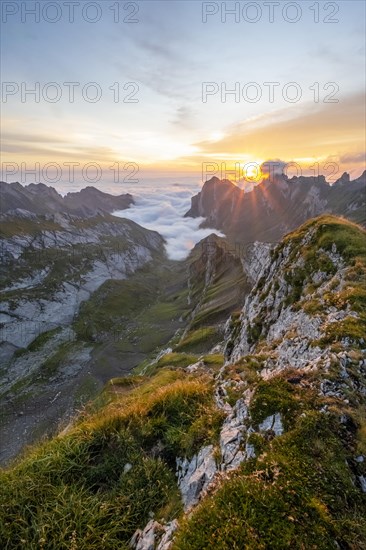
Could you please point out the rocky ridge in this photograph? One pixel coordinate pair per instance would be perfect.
(276, 206)
(41, 199)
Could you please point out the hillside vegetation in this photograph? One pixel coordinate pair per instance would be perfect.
(250, 435)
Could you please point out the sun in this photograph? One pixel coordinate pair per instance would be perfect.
(217, 136)
(252, 171)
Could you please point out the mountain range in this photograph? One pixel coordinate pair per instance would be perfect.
(42, 199)
(276, 206)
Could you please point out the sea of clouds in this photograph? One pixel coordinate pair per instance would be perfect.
(160, 205)
(163, 210)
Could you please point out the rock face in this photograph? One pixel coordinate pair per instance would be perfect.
(257, 257)
(155, 536)
(287, 311)
(194, 476)
(198, 475)
(52, 264)
(276, 206)
(49, 266)
(218, 280)
(42, 199)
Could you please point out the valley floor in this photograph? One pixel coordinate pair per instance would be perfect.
(122, 324)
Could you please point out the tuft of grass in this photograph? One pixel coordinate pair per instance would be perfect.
(274, 396)
(200, 340)
(42, 339)
(313, 306)
(92, 487)
(177, 360)
(50, 367)
(214, 360)
(21, 226)
(348, 237)
(350, 328)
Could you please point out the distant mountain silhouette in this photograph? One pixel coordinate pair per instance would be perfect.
(275, 207)
(41, 199)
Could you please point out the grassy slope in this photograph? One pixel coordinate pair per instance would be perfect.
(22, 226)
(137, 315)
(300, 491)
(77, 489)
(350, 242)
(214, 300)
(227, 285)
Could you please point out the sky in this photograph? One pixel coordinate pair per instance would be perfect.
(152, 80)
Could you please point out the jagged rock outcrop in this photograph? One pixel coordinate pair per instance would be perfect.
(296, 362)
(195, 475)
(155, 536)
(199, 474)
(276, 206)
(291, 308)
(256, 258)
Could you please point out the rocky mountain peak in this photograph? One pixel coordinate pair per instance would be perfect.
(343, 180)
(293, 300)
(277, 205)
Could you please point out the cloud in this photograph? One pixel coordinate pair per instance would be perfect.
(184, 117)
(354, 158)
(329, 55)
(161, 63)
(272, 167)
(164, 213)
(52, 146)
(318, 129)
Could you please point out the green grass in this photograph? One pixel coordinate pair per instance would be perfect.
(199, 340)
(352, 328)
(313, 306)
(50, 367)
(274, 396)
(86, 391)
(214, 360)
(177, 360)
(42, 339)
(75, 491)
(143, 309)
(298, 494)
(20, 226)
(226, 289)
(348, 237)
(349, 240)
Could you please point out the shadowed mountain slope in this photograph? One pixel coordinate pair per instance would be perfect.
(275, 207)
(42, 199)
